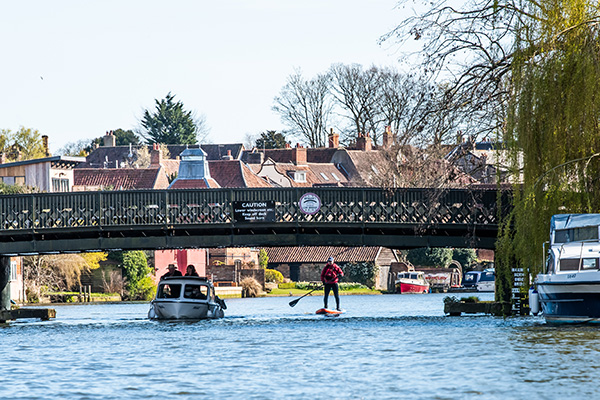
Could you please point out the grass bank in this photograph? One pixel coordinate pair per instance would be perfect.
(299, 292)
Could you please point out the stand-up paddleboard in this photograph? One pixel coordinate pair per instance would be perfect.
(325, 311)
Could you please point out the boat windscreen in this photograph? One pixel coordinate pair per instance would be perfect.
(196, 292)
(169, 291)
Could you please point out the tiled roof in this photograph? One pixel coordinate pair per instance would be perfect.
(234, 174)
(319, 254)
(203, 183)
(320, 155)
(121, 178)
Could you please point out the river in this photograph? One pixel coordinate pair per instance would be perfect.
(383, 347)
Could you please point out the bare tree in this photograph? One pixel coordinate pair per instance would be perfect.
(469, 48)
(357, 92)
(305, 105)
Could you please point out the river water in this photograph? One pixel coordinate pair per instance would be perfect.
(383, 347)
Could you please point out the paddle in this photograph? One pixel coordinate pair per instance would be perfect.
(294, 302)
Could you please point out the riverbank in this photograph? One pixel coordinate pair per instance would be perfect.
(301, 292)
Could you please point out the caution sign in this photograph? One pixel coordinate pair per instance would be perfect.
(254, 211)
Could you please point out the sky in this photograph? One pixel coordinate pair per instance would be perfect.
(76, 69)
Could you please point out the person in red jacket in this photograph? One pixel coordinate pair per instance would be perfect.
(329, 277)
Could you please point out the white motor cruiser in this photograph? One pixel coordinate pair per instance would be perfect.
(569, 289)
(186, 297)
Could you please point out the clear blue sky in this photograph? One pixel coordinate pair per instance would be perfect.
(75, 69)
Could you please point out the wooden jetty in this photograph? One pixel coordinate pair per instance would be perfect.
(42, 313)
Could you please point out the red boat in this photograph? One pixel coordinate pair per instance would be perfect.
(412, 282)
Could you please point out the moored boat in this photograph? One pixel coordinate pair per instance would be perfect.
(186, 297)
(569, 288)
(411, 282)
(487, 281)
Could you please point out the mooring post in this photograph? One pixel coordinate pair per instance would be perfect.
(4, 283)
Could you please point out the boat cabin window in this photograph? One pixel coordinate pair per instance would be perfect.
(589, 263)
(195, 292)
(487, 276)
(569, 264)
(169, 291)
(470, 278)
(413, 276)
(576, 234)
(550, 264)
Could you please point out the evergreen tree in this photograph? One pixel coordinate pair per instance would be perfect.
(271, 140)
(170, 123)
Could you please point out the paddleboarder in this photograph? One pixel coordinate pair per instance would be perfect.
(330, 276)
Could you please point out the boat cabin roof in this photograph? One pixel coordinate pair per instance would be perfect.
(565, 228)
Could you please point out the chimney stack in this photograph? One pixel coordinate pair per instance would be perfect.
(299, 155)
(228, 156)
(45, 145)
(155, 155)
(110, 140)
(388, 137)
(334, 140)
(363, 142)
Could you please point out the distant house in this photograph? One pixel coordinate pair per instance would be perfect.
(50, 174)
(289, 167)
(301, 264)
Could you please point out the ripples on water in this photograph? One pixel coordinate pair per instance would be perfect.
(384, 347)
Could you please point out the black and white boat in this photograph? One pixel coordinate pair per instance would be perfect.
(186, 297)
(569, 288)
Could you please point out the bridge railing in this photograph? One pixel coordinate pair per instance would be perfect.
(168, 208)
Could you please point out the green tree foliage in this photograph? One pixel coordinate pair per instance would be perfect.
(136, 271)
(271, 140)
(430, 256)
(26, 144)
(465, 257)
(263, 259)
(553, 128)
(122, 138)
(170, 123)
(361, 272)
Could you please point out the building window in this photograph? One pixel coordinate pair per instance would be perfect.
(335, 176)
(13, 270)
(20, 180)
(60, 185)
(9, 180)
(324, 176)
(300, 176)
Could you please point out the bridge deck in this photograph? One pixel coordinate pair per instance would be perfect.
(400, 218)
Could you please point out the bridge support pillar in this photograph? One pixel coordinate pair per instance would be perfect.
(4, 283)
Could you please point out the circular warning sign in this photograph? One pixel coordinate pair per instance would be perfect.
(309, 203)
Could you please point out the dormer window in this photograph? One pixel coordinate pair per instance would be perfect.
(300, 176)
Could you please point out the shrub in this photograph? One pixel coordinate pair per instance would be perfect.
(351, 285)
(250, 287)
(287, 285)
(144, 290)
(272, 275)
(362, 272)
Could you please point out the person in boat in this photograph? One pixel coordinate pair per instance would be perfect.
(172, 271)
(191, 271)
(330, 277)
